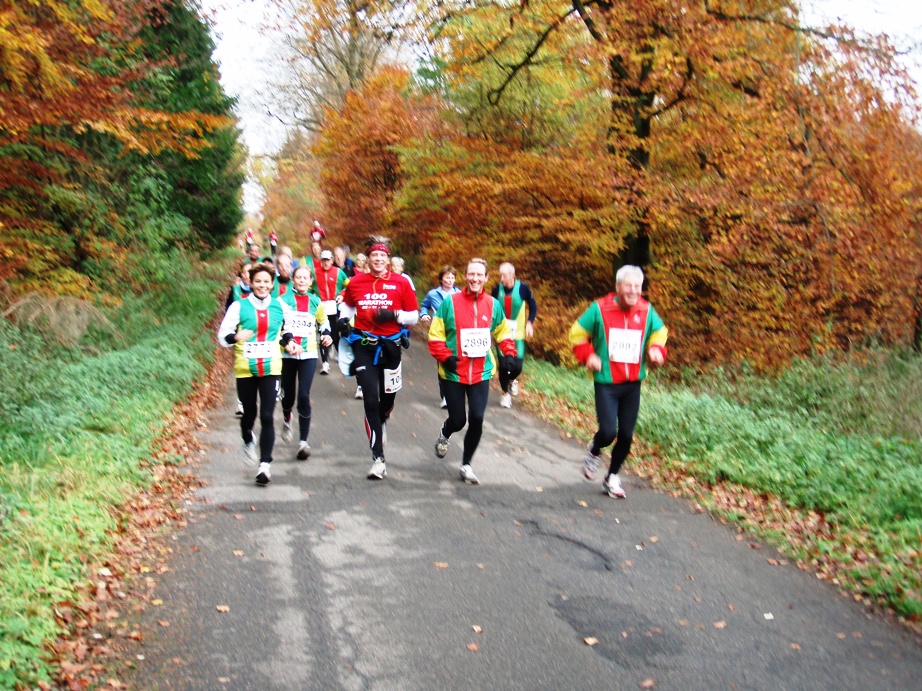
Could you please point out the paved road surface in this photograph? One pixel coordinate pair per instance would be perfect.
(336, 582)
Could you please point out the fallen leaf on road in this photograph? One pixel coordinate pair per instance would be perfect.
(224, 680)
(238, 516)
(628, 562)
(135, 635)
(648, 683)
(223, 608)
(654, 539)
(794, 646)
(440, 564)
(539, 489)
(517, 522)
(477, 628)
(840, 635)
(330, 526)
(639, 548)
(769, 616)
(773, 562)
(238, 552)
(720, 624)
(163, 622)
(584, 504)
(731, 608)
(157, 602)
(683, 622)
(473, 647)
(479, 566)
(589, 640)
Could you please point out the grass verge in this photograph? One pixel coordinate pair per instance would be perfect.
(845, 500)
(77, 427)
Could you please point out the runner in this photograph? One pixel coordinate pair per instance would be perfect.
(361, 267)
(383, 306)
(331, 281)
(317, 232)
(614, 339)
(274, 242)
(241, 289)
(254, 327)
(398, 266)
(250, 238)
(514, 295)
(342, 260)
(308, 316)
(431, 302)
(460, 339)
(282, 283)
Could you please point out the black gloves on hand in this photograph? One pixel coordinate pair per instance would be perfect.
(382, 316)
(450, 364)
(507, 362)
(344, 328)
(514, 366)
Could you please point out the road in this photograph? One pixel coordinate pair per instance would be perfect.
(332, 581)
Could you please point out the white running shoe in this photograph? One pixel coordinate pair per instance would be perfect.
(325, 368)
(250, 454)
(467, 474)
(444, 404)
(304, 450)
(239, 410)
(505, 400)
(286, 430)
(591, 463)
(358, 393)
(441, 445)
(264, 476)
(378, 469)
(514, 387)
(613, 487)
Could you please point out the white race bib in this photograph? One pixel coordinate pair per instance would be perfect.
(512, 324)
(475, 342)
(261, 350)
(393, 379)
(624, 345)
(329, 309)
(302, 324)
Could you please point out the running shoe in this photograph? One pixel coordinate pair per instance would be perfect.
(250, 454)
(591, 463)
(506, 400)
(304, 450)
(325, 368)
(358, 392)
(467, 474)
(264, 476)
(378, 469)
(514, 387)
(239, 411)
(441, 445)
(613, 487)
(444, 404)
(286, 430)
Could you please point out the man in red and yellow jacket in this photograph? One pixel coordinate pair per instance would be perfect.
(616, 338)
(460, 338)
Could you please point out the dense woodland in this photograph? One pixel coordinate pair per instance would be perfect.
(117, 143)
(765, 174)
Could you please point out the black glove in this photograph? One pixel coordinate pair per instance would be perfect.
(382, 316)
(516, 369)
(450, 364)
(344, 328)
(508, 363)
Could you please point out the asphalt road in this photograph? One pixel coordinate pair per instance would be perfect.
(332, 581)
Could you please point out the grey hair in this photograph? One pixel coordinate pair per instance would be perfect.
(628, 269)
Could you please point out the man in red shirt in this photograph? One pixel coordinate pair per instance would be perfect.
(384, 306)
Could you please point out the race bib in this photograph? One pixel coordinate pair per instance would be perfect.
(624, 345)
(512, 324)
(393, 379)
(475, 342)
(260, 350)
(302, 324)
(329, 309)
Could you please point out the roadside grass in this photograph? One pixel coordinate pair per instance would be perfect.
(77, 427)
(828, 454)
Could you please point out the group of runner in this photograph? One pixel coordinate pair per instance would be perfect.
(279, 326)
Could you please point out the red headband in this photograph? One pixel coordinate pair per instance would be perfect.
(379, 247)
